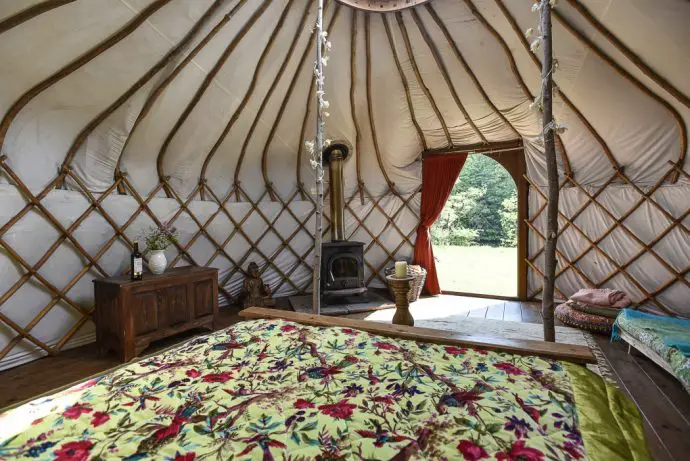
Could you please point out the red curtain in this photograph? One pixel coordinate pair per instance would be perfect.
(439, 173)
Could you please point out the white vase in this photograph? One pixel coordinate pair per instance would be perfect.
(157, 261)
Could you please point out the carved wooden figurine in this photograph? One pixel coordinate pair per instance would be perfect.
(256, 292)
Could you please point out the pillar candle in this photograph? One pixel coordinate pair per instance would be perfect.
(400, 269)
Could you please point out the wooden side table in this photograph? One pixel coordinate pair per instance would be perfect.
(401, 286)
(129, 315)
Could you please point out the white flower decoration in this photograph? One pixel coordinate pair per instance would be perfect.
(535, 45)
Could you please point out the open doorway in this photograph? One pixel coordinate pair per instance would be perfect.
(476, 236)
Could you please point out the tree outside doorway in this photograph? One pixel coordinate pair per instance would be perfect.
(475, 238)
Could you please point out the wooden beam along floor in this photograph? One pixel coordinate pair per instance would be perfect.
(664, 405)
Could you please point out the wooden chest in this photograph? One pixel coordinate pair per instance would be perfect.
(129, 315)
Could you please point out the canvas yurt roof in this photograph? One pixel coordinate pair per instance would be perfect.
(121, 114)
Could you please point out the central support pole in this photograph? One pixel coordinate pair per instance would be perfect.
(549, 128)
(318, 157)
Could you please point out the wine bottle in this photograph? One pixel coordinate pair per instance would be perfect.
(137, 263)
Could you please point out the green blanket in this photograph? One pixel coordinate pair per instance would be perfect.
(278, 390)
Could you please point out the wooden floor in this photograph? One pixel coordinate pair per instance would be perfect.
(664, 405)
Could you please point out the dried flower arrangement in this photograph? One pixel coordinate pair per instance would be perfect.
(160, 238)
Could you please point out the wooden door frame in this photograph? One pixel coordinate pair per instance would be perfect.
(512, 158)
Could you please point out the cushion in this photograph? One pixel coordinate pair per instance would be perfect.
(611, 312)
(590, 322)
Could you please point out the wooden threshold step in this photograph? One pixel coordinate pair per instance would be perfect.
(559, 351)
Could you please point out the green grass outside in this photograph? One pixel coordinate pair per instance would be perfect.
(481, 270)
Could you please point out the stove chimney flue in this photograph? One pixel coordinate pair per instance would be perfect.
(335, 156)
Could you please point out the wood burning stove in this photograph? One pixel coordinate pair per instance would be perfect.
(342, 270)
(342, 266)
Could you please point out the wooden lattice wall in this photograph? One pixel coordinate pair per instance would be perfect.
(645, 292)
(385, 243)
(389, 239)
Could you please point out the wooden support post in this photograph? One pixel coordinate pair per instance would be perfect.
(318, 162)
(547, 303)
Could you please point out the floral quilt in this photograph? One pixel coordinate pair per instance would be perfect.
(279, 390)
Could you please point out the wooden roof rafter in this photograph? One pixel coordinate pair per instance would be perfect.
(582, 38)
(309, 101)
(264, 153)
(163, 85)
(301, 141)
(77, 63)
(370, 108)
(516, 72)
(468, 69)
(521, 37)
(420, 80)
(245, 99)
(286, 98)
(202, 89)
(405, 84)
(440, 63)
(634, 58)
(143, 80)
(353, 109)
(31, 12)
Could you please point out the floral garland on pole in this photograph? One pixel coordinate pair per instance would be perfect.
(544, 104)
(315, 148)
(535, 46)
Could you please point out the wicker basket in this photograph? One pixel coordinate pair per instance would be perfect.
(419, 274)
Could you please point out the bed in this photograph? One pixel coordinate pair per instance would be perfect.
(298, 387)
(664, 340)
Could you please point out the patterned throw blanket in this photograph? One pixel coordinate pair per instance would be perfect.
(673, 332)
(278, 390)
(667, 336)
